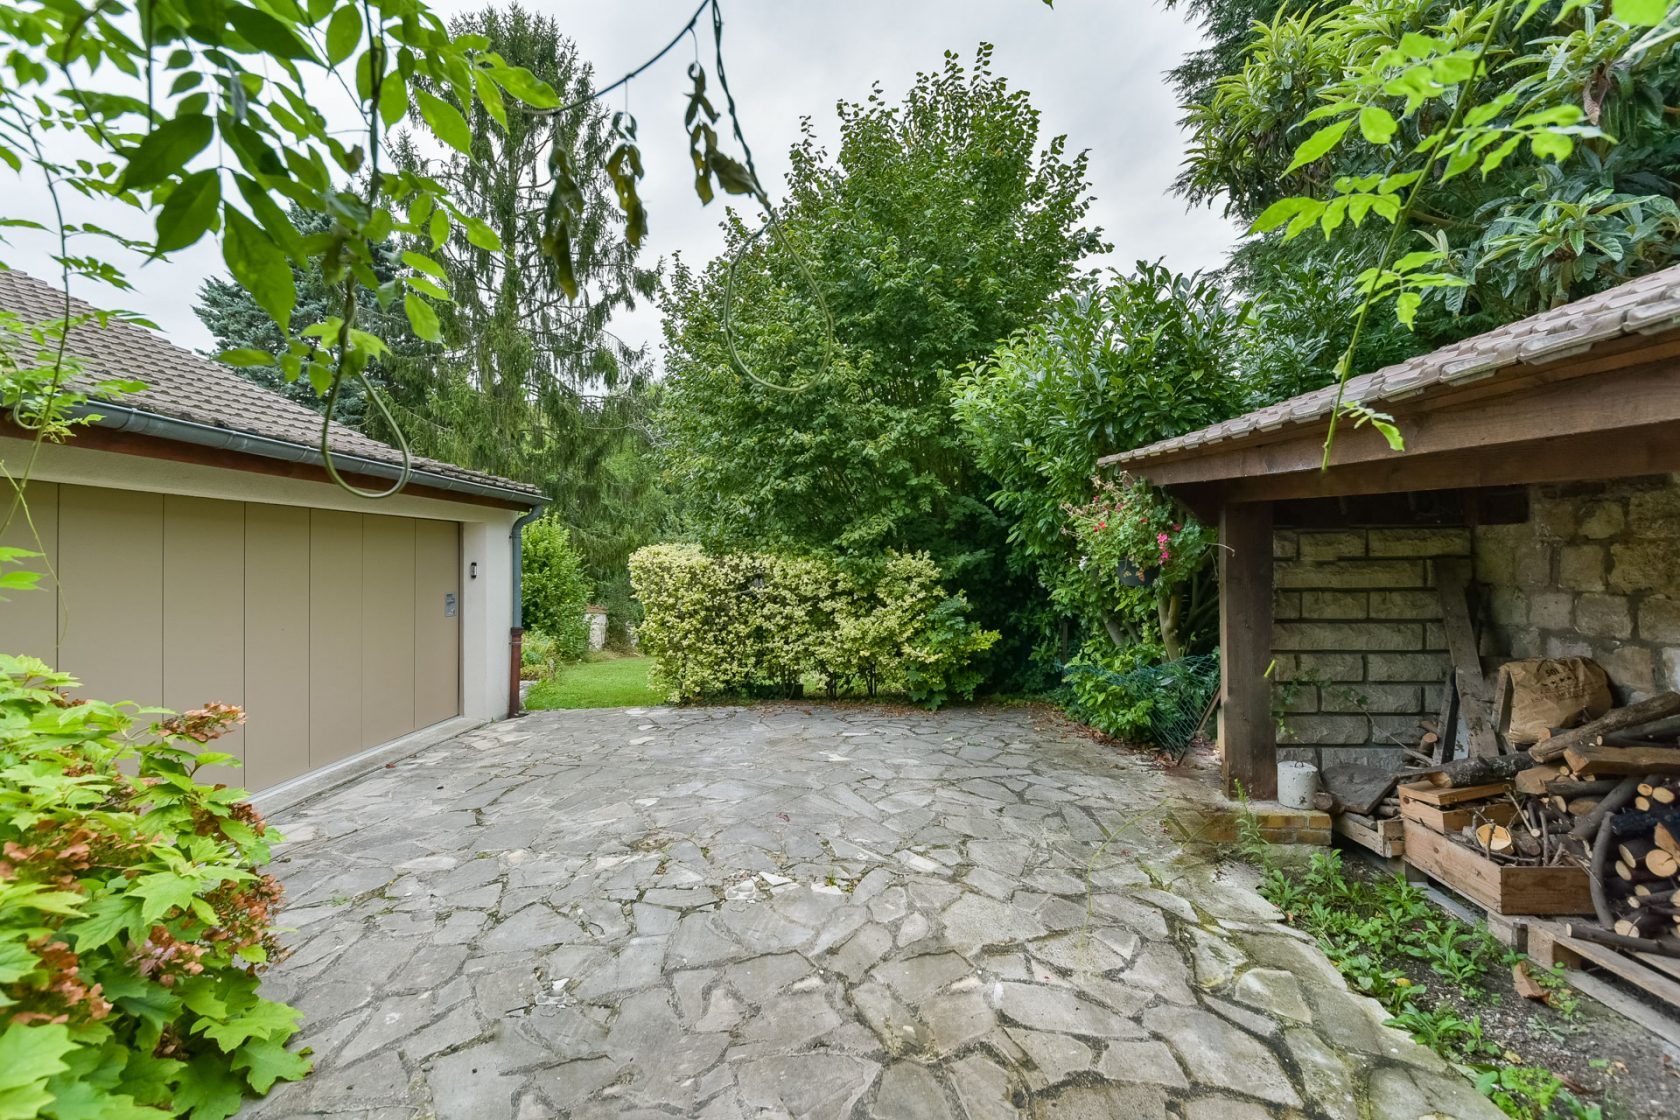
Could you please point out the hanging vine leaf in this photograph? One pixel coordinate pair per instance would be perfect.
(624, 167)
(564, 210)
(698, 152)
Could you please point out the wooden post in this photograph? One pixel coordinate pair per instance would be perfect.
(1247, 735)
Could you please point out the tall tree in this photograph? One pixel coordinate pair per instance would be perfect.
(530, 381)
(1572, 190)
(525, 381)
(810, 367)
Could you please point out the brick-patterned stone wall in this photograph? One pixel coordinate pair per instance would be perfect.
(1357, 633)
(1594, 572)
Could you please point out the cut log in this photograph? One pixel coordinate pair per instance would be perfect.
(1634, 849)
(1643, 924)
(1664, 795)
(1658, 707)
(1633, 873)
(1659, 862)
(1588, 825)
(1668, 947)
(1579, 807)
(1534, 780)
(1493, 837)
(1479, 769)
(1666, 839)
(1645, 824)
(1601, 761)
(1571, 788)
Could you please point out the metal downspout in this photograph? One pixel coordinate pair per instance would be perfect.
(516, 635)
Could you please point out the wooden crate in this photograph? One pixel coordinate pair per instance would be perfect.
(1501, 888)
(1433, 807)
(1386, 837)
(1549, 944)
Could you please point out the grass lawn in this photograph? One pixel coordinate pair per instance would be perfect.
(602, 682)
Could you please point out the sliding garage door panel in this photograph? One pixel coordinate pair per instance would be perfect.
(111, 573)
(335, 635)
(29, 618)
(437, 621)
(204, 613)
(276, 634)
(387, 628)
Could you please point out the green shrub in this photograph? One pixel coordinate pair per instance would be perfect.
(1097, 694)
(133, 920)
(556, 591)
(748, 624)
(540, 656)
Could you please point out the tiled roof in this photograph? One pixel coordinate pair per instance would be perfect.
(1643, 306)
(182, 385)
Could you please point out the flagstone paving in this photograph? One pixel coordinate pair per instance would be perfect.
(791, 911)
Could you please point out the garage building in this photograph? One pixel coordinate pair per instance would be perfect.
(201, 553)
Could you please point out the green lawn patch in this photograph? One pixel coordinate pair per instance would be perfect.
(609, 682)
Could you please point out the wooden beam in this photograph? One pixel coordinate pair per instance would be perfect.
(1247, 735)
(1647, 449)
(1603, 404)
(1452, 579)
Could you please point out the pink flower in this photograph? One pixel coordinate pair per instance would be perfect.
(1165, 554)
(1177, 527)
(1160, 538)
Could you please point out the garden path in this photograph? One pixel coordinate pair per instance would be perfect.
(806, 911)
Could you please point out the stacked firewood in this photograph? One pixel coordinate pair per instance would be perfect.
(1619, 778)
(1531, 826)
(1604, 796)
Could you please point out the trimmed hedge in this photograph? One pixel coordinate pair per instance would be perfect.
(759, 625)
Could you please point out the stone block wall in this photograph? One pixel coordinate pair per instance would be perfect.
(1357, 634)
(1594, 572)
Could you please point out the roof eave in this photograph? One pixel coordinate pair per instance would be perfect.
(141, 422)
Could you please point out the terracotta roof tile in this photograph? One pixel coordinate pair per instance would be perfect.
(183, 385)
(1643, 306)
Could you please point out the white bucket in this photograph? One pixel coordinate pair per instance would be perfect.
(1297, 782)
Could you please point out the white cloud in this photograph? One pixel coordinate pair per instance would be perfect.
(1094, 69)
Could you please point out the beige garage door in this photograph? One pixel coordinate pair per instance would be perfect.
(335, 631)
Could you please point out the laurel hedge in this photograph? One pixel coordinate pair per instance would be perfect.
(759, 624)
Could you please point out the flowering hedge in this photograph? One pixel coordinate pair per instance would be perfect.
(755, 624)
(133, 919)
(1140, 553)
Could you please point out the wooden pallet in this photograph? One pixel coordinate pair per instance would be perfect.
(1386, 837)
(1549, 944)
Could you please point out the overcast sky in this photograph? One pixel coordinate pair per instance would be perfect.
(1093, 67)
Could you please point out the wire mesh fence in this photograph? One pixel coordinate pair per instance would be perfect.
(1178, 694)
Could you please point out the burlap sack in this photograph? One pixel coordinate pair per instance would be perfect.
(1543, 693)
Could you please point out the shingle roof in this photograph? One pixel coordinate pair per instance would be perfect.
(1643, 306)
(182, 385)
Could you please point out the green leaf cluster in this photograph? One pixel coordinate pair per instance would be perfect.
(1552, 161)
(134, 919)
(936, 227)
(208, 121)
(1117, 363)
(754, 624)
(556, 590)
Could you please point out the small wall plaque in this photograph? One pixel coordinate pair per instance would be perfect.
(449, 604)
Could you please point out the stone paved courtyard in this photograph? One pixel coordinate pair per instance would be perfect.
(791, 911)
